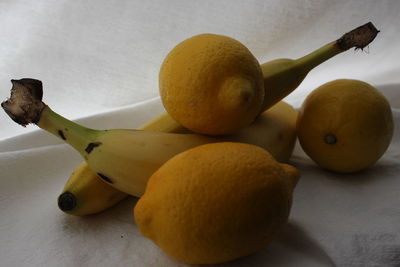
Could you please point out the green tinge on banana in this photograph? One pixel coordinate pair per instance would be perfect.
(126, 159)
(282, 76)
(85, 193)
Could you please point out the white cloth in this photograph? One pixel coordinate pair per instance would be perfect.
(99, 63)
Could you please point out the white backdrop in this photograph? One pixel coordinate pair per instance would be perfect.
(99, 62)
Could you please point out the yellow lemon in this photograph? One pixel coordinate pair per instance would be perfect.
(345, 125)
(211, 84)
(216, 202)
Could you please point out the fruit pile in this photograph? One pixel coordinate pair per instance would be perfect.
(211, 173)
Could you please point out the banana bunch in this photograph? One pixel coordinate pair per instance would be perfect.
(124, 158)
(119, 162)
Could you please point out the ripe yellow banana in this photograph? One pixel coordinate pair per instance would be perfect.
(126, 158)
(282, 76)
(84, 193)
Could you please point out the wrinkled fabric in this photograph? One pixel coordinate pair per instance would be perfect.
(99, 63)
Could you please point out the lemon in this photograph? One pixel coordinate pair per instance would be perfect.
(211, 84)
(345, 125)
(216, 202)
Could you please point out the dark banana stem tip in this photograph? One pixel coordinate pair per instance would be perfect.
(25, 103)
(359, 38)
(67, 201)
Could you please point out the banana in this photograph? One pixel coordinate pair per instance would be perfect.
(125, 159)
(282, 76)
(84, 193)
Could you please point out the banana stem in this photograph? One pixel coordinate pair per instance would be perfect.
(359, 38)
(78, 136)
(25, 106)
(315, 58)
(283, 76)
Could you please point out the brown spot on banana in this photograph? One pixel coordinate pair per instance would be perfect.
(61, 134)
(105, 178)
(91, 146)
